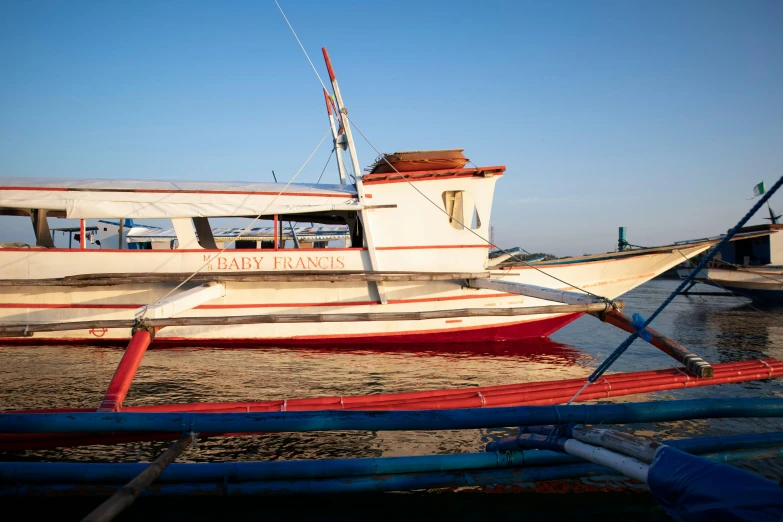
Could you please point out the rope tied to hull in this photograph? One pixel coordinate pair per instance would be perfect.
(638, 322)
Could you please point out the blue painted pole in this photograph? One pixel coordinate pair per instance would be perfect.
(78, 472)
(621, 241)
(388, 420)
(353, 484)
(698, 445)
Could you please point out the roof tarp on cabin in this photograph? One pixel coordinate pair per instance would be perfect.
(88, 199)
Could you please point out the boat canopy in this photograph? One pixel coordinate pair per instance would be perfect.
(95, 198)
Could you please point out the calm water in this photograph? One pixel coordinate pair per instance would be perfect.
(717, 328)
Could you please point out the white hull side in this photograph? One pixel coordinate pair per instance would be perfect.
(44, 304)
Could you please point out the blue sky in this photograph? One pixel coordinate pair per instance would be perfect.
(658, 116)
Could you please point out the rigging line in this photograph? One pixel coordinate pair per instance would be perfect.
(381, 156)
(732, 294)
(234, 240)
(356, 174)
(302, 46)
(324, 169)
(689, 279)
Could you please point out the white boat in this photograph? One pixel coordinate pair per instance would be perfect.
(410, 243)
(751, 266)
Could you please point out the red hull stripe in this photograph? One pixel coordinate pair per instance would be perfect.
(259, 305)
(446, 337)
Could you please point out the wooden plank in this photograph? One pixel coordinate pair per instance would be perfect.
(126, 495)
(14, 329)
(620, 442)
(86, 280)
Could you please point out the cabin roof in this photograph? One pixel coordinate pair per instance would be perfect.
(179, 186)
(762, 228)
(99, 198)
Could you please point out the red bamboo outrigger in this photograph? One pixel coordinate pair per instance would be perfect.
(521, 394)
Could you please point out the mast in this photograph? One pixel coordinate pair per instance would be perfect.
(343, 112)
(363, 214)
(337, 150)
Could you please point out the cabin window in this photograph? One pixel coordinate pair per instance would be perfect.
(461, 209)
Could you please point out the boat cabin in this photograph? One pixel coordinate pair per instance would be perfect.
(764, 246)
(399, 221)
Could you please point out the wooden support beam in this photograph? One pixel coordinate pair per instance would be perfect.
(597, 308)
(126, 495)
(126, 371)
(618, 441)
(693, 363)
(43, 235)
(186, 300)
(290, 276)
(539, 292)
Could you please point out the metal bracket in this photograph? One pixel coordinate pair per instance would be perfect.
(143, 324)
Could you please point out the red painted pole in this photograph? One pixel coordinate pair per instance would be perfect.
(274, 225)
(82, 228)
(527, 394)
(126, 371)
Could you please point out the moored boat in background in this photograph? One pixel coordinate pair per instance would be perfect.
(750, 267)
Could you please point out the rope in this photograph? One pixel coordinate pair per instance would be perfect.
(381, 156)
(407, 180)
(229, 243)
(300, 45)
(703, 263)
(324, 169)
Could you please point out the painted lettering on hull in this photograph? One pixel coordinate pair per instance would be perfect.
(230, 263)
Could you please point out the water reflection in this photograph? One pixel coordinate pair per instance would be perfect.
(718, 329)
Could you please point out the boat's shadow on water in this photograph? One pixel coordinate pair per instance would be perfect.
(527, 348)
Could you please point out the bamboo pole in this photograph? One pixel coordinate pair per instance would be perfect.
(126, 371)
(693, 363)
(454, 419)
(19, 330)
(636, 447)
(109, 279)
(126, 495)
(244, 471)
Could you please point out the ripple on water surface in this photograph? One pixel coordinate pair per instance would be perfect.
(719, 329)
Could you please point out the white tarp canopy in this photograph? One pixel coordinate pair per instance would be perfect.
(95, 199)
